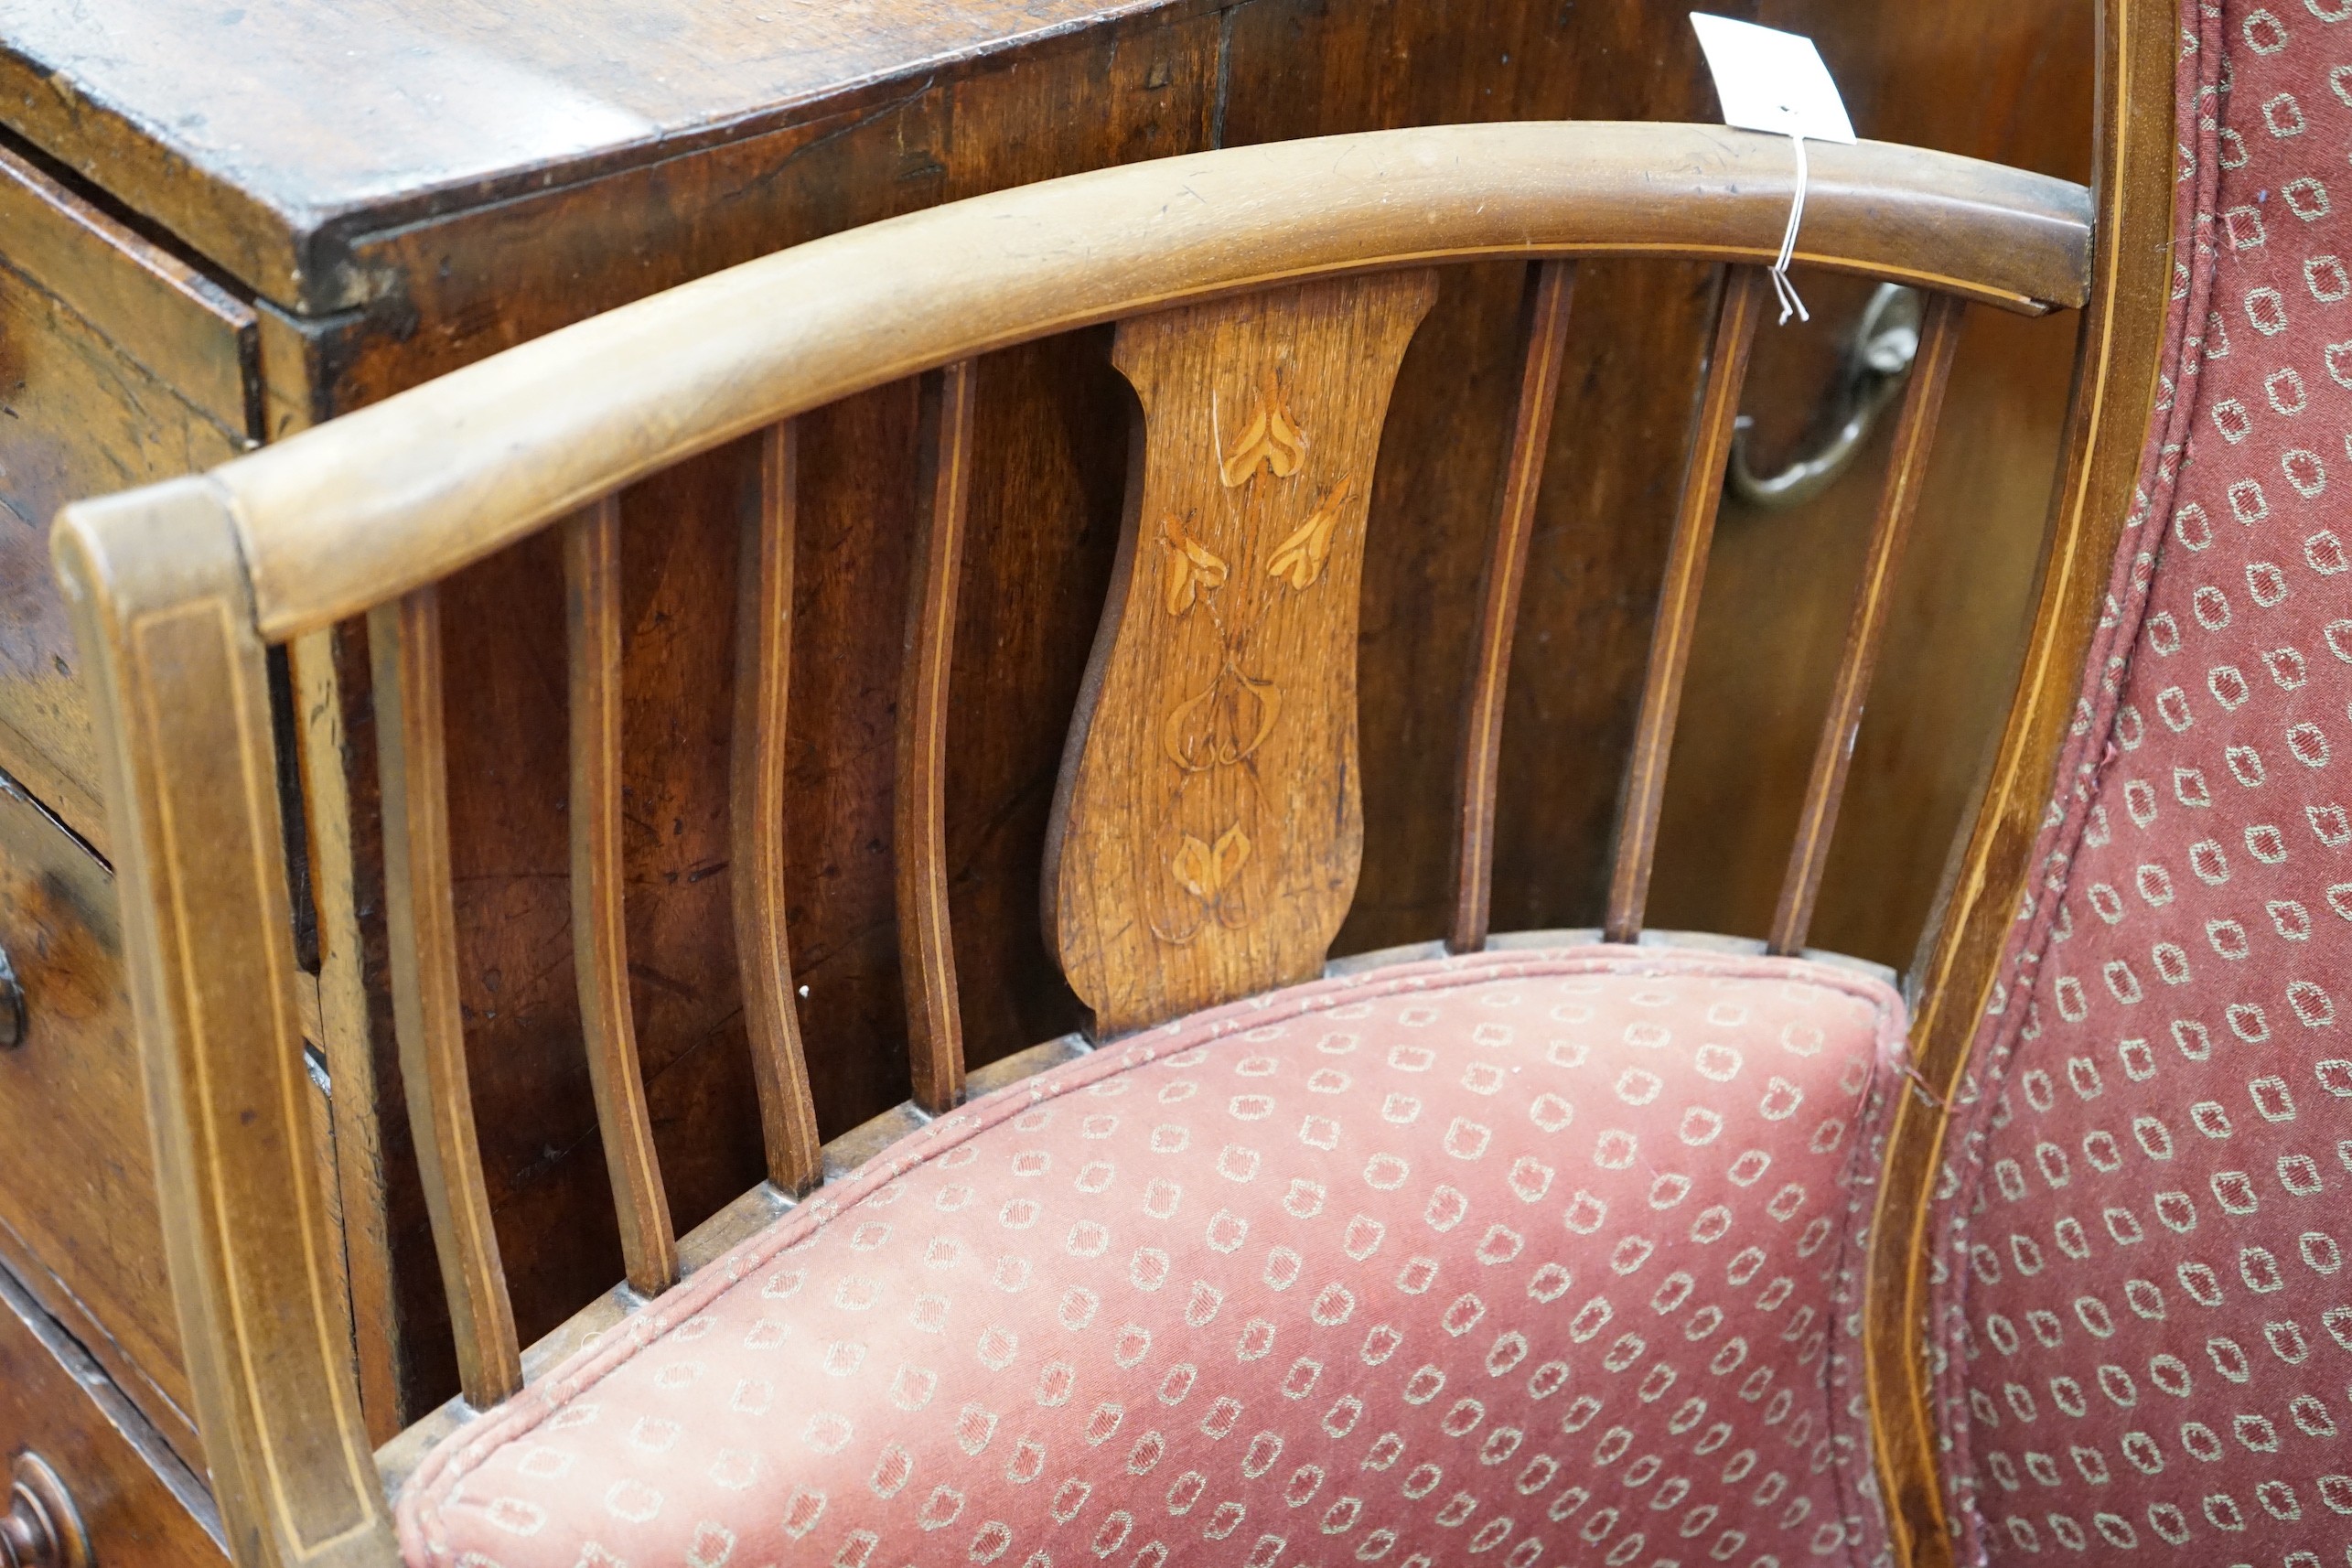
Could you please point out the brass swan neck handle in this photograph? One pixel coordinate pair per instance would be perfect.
(1877, 362)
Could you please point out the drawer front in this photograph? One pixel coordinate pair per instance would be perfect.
(79, 1219)
(118, 365)
(138, 1506)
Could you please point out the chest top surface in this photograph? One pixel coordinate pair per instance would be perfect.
(248, 128)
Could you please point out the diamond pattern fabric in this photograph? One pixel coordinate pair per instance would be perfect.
(1522, 1258)
(2144, 1319)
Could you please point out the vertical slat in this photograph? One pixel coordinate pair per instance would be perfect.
(926, 952)
(763, 670)
(1544, 337)
(404, 650)
(599, 921)
(1678, 601)
(1906, 467)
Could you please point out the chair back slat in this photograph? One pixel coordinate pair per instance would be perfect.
(592, 614)
(1915, 432)
(1208, 828)
(420, 916)
(756, 806)
(926, 944)
(1741, 306)
(1543, 341)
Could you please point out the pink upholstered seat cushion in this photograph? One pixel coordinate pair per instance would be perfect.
(1542, 1255)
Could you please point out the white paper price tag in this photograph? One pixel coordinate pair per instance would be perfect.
(1776, 81)
(1771, 80)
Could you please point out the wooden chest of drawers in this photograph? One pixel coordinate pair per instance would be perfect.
(218, 224)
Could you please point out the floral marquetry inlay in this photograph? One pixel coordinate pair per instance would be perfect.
(1208, 828)
(1299, 559)
(1269, 440)
(1191, 568)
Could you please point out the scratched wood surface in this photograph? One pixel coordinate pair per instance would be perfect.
(119, 364)
(322, 144)
(1208, 826)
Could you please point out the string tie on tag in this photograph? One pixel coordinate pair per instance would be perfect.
(1786, 290)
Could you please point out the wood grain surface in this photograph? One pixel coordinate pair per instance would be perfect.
(757, 810)
(404, 637)
(182, 694)
(340, 514)
(119, 363)
(359, 116)
(919, 791)
(1544, 339)
(592, 600)
(1207, 828)
(1914, 431)
(1773, 626)
(399, 1317)
(78, 1217)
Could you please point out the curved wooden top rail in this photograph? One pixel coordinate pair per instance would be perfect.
(402, 493)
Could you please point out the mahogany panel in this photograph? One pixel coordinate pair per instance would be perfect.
(851, 579)
(405, 639)
(1741, 306)
(1050, 461)
(352, 117)
(1042, 540)
(1915, 432)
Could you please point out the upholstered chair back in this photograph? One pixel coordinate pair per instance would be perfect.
(2142, 1321)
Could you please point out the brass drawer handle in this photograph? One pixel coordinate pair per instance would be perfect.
(1877, 362)
(14, 1019)
(41, 1529)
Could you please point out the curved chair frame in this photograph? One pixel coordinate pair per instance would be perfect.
(179, 590)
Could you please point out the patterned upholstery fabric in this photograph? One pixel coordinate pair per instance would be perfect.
(1530, 1257)
(2143, 1299)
